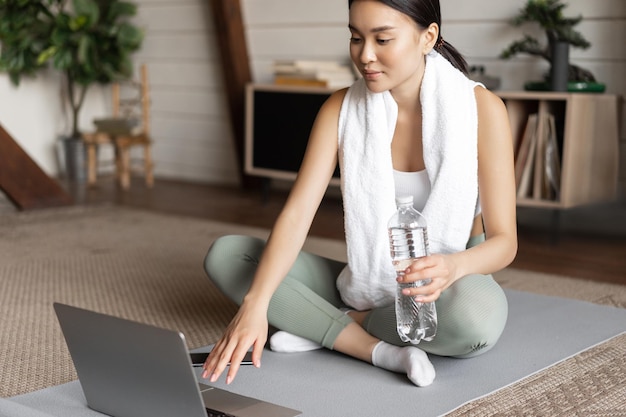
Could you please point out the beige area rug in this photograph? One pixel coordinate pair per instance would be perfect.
(148, 267)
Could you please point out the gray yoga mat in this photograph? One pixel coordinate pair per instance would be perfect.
(541, 331)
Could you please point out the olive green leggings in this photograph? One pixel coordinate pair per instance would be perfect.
(471, 313)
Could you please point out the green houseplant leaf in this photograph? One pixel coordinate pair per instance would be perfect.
(87, 12)
(24, 32)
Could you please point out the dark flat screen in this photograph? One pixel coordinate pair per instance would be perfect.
(282, 122)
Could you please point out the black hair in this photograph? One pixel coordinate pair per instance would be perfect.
(425, 12)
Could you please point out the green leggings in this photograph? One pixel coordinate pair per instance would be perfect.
(471, 313)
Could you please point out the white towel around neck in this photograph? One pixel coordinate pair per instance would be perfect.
(366, 125)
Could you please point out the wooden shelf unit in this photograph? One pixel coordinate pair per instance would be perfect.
(586, 124)
(587, 131)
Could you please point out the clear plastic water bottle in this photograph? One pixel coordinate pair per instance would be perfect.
(408, 240)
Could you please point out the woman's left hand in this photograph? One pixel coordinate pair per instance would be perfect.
(440, 269)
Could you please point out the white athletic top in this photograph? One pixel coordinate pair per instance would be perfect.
(416, 184)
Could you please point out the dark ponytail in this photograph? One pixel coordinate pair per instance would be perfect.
(451, 54)
(425, 12)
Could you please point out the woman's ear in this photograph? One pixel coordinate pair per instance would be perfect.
(431, 34)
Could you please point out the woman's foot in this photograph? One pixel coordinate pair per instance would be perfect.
(290, 343)
(407, 359)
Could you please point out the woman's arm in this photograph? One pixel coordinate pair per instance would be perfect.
(249, 326)
(496, 182)
(293, 223)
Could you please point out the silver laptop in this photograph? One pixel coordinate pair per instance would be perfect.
(129, 369)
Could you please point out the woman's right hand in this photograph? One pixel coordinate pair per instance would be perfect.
(248, 328)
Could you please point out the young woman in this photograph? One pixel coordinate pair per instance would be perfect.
(413, 124)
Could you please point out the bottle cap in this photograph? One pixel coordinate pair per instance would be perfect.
(404, 199)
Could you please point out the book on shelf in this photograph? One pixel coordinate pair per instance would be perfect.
(328, 74)
(527, 162)
(325, 79)
(303, 82)
(524, 147)
(540, 150)
(548, 172)
(537, 163)
(301, 65)
(552, 161)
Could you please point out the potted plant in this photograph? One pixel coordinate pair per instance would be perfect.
(560, 34)
(89, 41)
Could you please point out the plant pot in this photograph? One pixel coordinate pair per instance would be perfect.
(75, 159)
(559, 70)
(572, 87)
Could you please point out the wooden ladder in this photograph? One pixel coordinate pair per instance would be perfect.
(24, 182)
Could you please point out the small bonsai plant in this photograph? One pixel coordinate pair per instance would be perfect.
(89, 42)
(548, 14)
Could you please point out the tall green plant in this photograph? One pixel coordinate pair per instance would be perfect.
(89, 41)
(548, 14)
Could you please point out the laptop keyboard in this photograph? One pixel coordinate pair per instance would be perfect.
(214, 413)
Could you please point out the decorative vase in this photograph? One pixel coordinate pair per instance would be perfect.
(559, 71)
(75, 154)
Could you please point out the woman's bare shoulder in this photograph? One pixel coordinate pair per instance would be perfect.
(488, 103)
(336, 99)
(493, 118)
(329, 112)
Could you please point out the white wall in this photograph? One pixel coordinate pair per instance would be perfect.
(190, 121)
(190, 125)
(35, 116)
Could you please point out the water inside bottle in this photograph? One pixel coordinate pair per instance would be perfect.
(415, 321)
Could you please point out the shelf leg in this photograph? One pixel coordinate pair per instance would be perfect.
(555, 226)
(265, 190)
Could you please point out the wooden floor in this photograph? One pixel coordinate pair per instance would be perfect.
(588, 243)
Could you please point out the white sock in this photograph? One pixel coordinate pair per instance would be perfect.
(290, 343)
(407, 359)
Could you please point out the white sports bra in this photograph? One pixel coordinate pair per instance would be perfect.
(416, 184)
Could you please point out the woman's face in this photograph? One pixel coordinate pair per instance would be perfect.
(387, 46)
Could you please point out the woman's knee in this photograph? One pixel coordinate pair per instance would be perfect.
(231, 262)
(232, 248)
(481, 332)
(477, 317)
